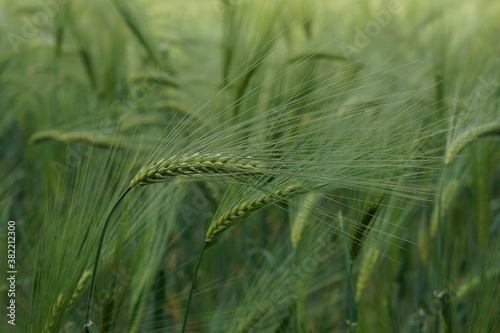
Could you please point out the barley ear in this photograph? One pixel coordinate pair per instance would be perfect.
(81, 286)
(86, 138)
(57, 310)
(368, 263)
(304, 212)
(188, 165)
(243, 210)
(158, 78)
(465, 138)
(447, 197)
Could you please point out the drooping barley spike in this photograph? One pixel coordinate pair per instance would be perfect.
(243, 210)
(462, 140)
(186, 165)
(365, 272)
(57, 310)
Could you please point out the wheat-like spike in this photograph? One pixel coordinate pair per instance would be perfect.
(244, 209)
(57, 308)
(302, 217)
(82, 284)
(154, 78)
(478, 280)
(76, 138)
(369, 260)
(474, 133)
(54, 315)
(186, 165)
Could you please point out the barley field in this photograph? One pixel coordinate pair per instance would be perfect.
(250, 166)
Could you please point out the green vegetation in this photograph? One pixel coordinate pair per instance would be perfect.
(251, 165)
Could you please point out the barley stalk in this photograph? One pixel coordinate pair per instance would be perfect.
(474, 133)
(186, 165)
(243, 210)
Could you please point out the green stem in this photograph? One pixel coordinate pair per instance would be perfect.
(98, 254)
(192, 287)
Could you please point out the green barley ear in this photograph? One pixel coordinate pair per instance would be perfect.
(86, 138)
(370, 259)
(244, 209)
(448, 194)
(303, 214)
(157, 78)
(82, 285)
(456, 146)
(188, 165)
(57, 310)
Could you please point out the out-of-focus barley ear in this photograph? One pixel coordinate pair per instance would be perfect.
(55, 314)
(81, 286)
(86, 138)
(447, 196)
(243, 210)
(303, 215)
(471, 284)
(369, 260)
(188, 165)
(456, 146)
